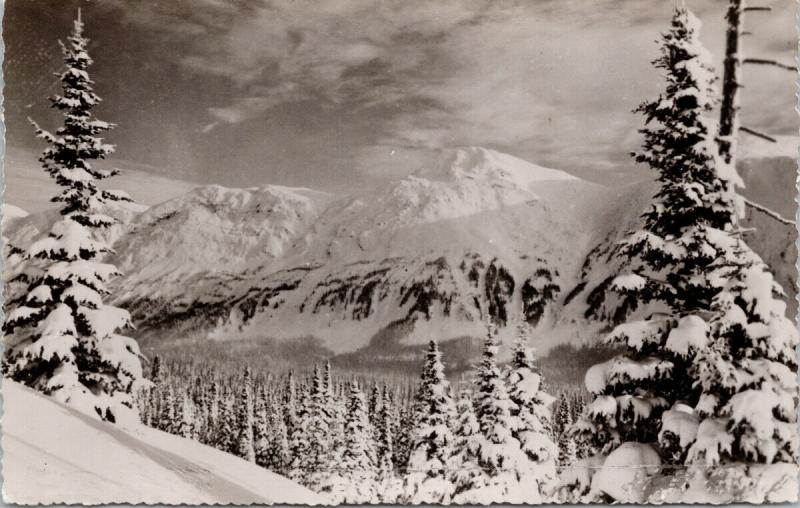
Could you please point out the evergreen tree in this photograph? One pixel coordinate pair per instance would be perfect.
(387, 481)
(374, 403)
(262, 424)
(671, 257)
(152, 394)
(182, 417)
(290, 404)
(212, 413)
(404, 424)
(499, 453)
(278, 451)
(335, 408)
(311, 443)
(61, 339)
(385, 431)
(166, 419)
(244, 421)
(561, 425)
(156, 371)
(709, 377)
(226, 436)
(464, 469)
(199, 409)
(431, 441)
(577, 405)
(531, 414)
(569, 455)
(355, 481)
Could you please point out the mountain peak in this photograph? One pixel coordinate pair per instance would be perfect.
(490, 166)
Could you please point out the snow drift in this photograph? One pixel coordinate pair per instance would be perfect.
(54, 453)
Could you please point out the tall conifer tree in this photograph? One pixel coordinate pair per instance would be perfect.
(709, 366)
(431, 441)
(532, 419)
(61, 338)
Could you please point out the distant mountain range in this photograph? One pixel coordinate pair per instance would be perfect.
(478, 233)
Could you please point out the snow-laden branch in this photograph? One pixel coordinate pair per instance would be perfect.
(775, 215)
(764, 61)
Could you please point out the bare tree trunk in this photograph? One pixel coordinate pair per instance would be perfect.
(729, 109)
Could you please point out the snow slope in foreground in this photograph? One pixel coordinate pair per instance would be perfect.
(53, 454)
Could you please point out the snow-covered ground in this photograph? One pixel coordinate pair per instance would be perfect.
(52, 453)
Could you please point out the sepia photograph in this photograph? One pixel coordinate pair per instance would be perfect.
(353, 252)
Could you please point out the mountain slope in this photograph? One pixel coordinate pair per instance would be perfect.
(52, 453)
(479, 233)
(214, 229)
(475, 234)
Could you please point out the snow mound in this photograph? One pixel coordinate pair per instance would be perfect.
(10, 215)
(11, 212)
(625, 472)
(55, 454)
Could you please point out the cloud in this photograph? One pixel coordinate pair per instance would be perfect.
(355, 52)
(246, 108)
(547, 79)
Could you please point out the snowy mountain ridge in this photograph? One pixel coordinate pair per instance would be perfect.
(479, 233)
(474, 234)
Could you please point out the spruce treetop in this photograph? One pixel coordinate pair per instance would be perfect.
(77, 142)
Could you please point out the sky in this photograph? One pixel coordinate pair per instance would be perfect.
(347, 94)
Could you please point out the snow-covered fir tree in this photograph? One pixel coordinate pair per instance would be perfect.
(388, 485)
(464, 469)
(60, 336)
(290, 404)
(166, 417)
(561, 423)
(198, 408)
(499, 453)
(404, 425)
(245, 445)
(182, 424)
(156, 371)
(336, 409)
(374, 403)
(576, 407)
(354, 478)
(670, 257)
(278, 451)
(152, 395)
(531, 415)
(431, 440)
(384, 428)
(708, 374)
(212, 412)
(262, 423)
(311, 444)
(226, 438)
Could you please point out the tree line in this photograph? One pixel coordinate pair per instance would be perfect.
(493, 438)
